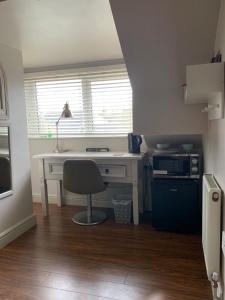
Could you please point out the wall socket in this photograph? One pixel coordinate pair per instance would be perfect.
(223, 242)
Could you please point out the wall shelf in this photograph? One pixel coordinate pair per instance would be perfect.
(205, 84)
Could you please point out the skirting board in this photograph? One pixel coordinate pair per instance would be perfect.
(74, 201)
(51, 199)
(16, 230)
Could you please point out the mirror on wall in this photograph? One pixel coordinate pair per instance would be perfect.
(5, 162)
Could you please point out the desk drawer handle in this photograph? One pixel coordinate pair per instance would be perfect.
(107, 171)
(174, 190)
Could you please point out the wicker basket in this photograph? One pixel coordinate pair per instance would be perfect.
(122, 208)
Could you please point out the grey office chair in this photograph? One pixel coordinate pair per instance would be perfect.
(83, 177)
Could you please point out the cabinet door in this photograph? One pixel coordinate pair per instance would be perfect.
(175, 204)
(3, 95)
(203, 81)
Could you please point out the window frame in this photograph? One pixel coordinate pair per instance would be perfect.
(85, 81)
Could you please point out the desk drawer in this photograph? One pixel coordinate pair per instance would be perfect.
(112, 170)
(54, 169)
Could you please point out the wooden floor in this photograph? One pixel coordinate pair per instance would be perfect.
(59, 260)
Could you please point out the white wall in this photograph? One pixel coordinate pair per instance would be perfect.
(216, 132)
(38, 146)
(17, 208)
(158, 39)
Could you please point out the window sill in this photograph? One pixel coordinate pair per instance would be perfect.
(79, 137)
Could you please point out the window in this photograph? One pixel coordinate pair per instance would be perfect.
(100, 100)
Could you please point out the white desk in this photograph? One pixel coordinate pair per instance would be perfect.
(114, 167)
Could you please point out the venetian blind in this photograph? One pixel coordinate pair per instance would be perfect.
(100, 100)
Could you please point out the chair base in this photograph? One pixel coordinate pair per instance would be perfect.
(97, 217)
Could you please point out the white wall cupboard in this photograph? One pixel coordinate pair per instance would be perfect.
(205, 84)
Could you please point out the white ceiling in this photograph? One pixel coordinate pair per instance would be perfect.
(59, 32)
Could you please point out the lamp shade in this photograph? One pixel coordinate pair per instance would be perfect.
(66, 113)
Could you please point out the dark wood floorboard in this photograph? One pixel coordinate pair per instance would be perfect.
(59, 260)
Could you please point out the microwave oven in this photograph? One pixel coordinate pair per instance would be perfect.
(179, 165)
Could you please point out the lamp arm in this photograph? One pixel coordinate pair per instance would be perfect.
(57, 122)
(66, 113)
(57, 134)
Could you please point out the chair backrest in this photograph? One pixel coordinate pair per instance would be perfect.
(82, 177)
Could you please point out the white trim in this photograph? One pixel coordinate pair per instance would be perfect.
(76, 201)
(51, 198)
(111, 126)
(4, 94)
(122, 136)
(82, 202)
(7, 123)
(6, 194)
(76, 66)
(74, 71)
(16, 230)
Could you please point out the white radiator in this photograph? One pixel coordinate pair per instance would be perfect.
(211, 226)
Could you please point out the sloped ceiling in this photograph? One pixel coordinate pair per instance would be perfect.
(59, 32)
(158, 39)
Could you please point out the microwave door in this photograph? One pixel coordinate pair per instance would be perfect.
(171, 166)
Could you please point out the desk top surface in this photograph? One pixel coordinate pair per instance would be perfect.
(91, 155)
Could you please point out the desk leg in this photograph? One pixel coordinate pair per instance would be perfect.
(135, 192)
(44, 197)
(59, 193)
(44, 189)
(141, 186)
(135, 204)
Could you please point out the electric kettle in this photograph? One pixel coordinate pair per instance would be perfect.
(134, 142)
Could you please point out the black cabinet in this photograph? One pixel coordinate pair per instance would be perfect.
(176, 205)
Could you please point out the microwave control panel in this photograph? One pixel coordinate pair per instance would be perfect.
(195, 166)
